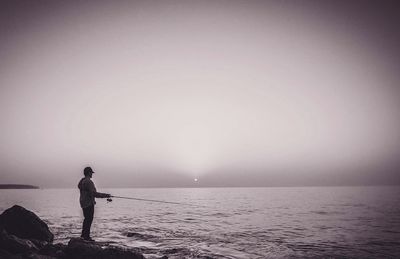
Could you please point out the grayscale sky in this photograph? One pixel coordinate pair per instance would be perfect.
(234, 93)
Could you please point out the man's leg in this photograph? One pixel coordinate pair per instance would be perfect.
(87, 222)
(90, 219)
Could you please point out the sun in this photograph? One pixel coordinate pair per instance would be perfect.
(195, 179)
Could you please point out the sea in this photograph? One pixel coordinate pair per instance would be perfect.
(276, 222)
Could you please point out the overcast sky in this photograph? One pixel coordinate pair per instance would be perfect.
(234, 93)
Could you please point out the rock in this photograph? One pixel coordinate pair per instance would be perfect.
(4, 254)
(139, 235)
(23, 223)
(37, 256)
(114, 252)
(39, 243)
(80, 249)
(14, 244)
(55, 250)
(23, 235)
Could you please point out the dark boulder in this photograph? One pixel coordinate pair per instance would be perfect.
(38, 256)
(4, 254)
(140, 236)
(79, 249)
(39, 243)
(14, 244)
(114, 252)
(54, 250)
(25, 224)
(23, 235)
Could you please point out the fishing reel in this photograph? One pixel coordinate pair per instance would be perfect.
(109, 200)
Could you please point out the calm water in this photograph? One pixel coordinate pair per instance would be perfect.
(232, 222)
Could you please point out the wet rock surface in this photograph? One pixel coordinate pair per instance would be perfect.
(24, 235)
(15, 244)
(140, 236)
(78, 248)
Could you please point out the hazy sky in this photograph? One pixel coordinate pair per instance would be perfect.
(234, 93)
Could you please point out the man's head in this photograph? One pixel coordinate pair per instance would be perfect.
(88, 171)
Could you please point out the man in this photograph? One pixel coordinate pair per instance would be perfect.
(88, 193)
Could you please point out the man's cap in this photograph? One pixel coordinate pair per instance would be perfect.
(88, 170)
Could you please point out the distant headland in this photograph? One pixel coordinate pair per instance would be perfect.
(18, 186)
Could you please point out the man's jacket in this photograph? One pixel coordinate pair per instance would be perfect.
(88, 192)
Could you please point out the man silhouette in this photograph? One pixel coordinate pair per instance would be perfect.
(88, 193)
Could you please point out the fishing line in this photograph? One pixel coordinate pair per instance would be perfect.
(149, 200)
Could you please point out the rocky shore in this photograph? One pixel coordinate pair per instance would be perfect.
(24, 235)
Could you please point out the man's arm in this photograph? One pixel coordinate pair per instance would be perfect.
(102, 195)
(98, 194)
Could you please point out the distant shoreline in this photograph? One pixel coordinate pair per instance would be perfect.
(18, 186)
(230, 187)
(25, 186)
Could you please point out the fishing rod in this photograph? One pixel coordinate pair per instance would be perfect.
(149, 200)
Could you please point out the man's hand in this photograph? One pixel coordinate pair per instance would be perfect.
(102, 195)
